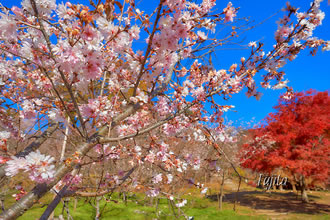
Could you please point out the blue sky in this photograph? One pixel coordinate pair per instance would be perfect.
(304, 73)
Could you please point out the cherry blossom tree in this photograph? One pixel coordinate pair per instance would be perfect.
(75, 68)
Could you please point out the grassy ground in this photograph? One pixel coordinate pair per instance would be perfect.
(252, 204)
(140, 208)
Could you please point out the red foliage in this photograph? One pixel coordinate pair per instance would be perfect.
(296, 138)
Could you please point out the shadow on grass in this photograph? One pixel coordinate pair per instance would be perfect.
(276, 201)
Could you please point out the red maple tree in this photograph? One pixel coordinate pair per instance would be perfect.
(296, 138)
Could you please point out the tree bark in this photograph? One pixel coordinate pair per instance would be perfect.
(294, 186)
(97, 208)
(49, 210)
(2, 200)
(157, 205)
(62, 154)
(304, 196)
(75, 204)
(220, 198)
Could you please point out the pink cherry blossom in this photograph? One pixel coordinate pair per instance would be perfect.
(158, 178)
(38, 166)
(41, 166)
(252, 44)
(169, 178)
(14, 165)
(44, 6)
(152, 193)
(89, 33)
(181, 204)
(201, 35)
(204, 190)
(8, 28)
(230, 12)
(282, 33)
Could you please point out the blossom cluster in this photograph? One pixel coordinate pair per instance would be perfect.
(39, 167)
(4, 136)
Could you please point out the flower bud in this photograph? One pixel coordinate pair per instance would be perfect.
(100, 8)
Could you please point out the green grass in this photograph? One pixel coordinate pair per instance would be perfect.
(140, 207)
(200, 208)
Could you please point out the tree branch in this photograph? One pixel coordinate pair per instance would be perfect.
(149, 48)
(34, 145)
(43, 31)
